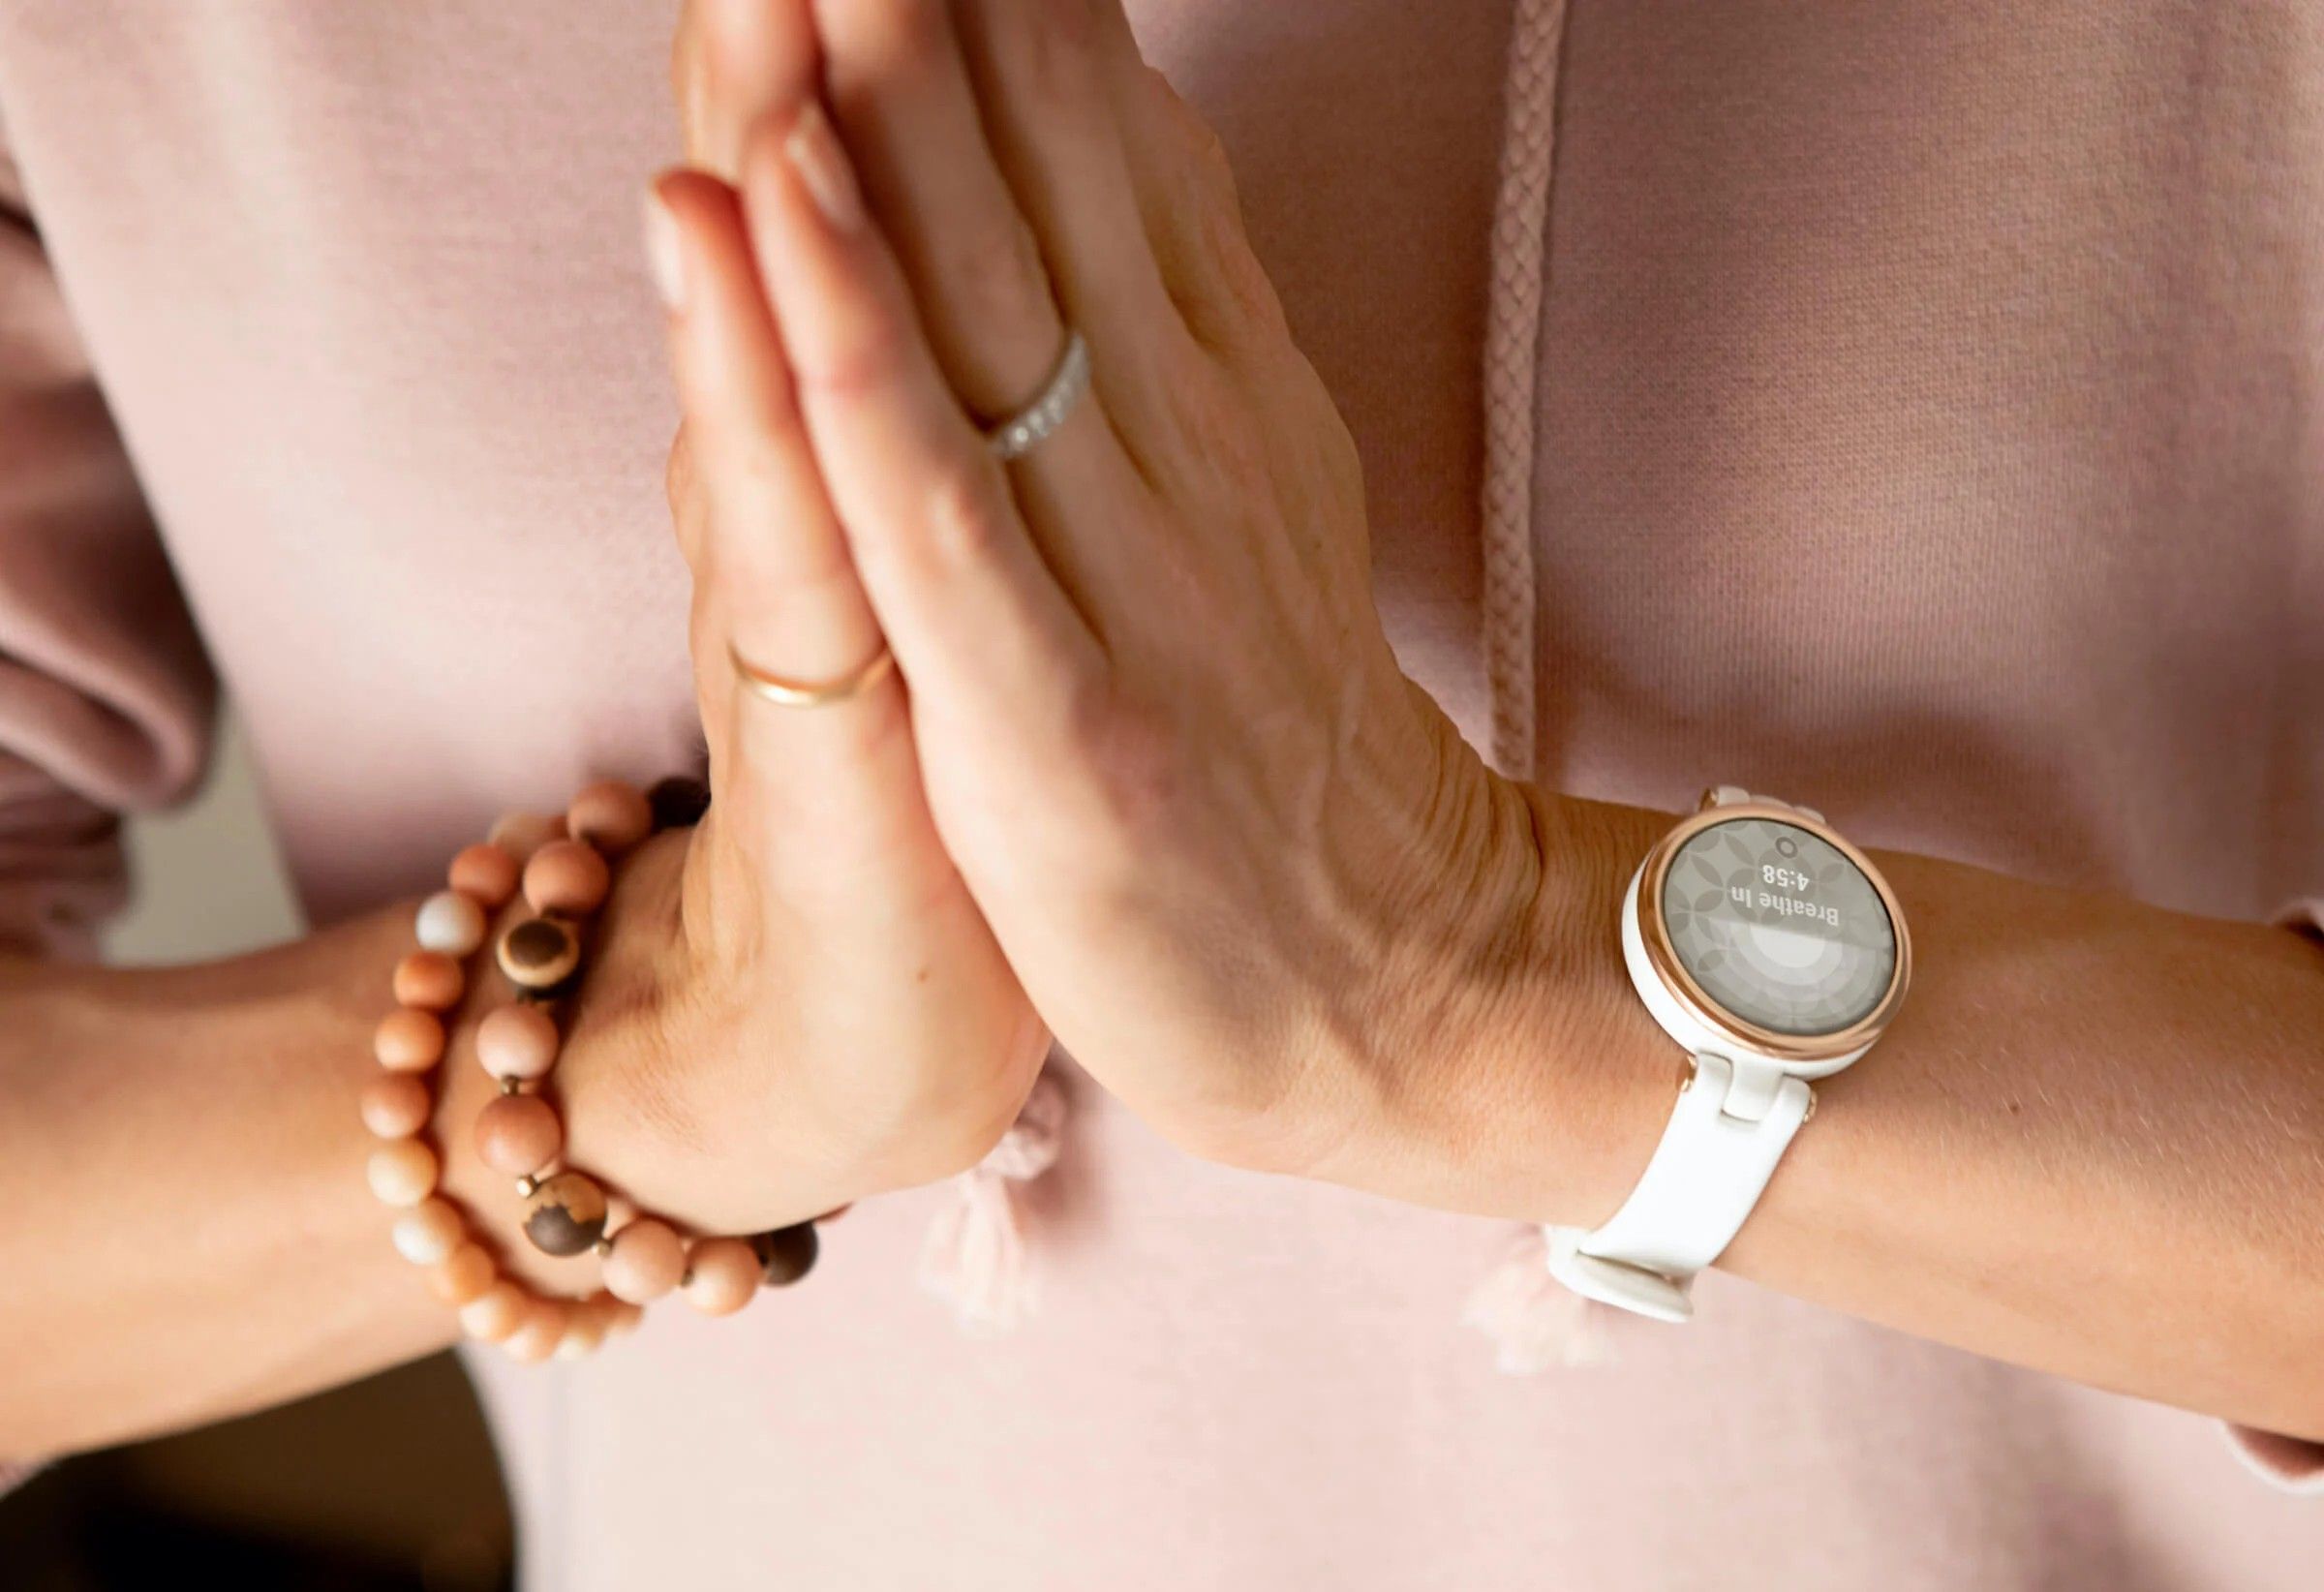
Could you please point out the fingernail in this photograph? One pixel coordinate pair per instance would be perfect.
(663, 251)
(814, 150)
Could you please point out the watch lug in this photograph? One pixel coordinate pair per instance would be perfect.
(1751, 1086)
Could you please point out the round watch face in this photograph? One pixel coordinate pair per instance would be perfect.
(1778, 927)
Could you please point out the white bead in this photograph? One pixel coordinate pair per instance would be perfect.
(451, 923)
(428, 1232)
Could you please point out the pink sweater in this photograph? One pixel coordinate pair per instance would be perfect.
(1918, 411)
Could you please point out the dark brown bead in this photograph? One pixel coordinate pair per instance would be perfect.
(539, 953)
(787, 1254)
(678, 801)
(565, 1214)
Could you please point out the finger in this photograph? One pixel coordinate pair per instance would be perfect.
(908, 113)
(735, 61)
(772, 578)
(892, 63)
(975, 616)
(1185, 192)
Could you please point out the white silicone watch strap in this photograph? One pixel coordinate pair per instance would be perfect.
(1706, 1176)
(1733, 1122)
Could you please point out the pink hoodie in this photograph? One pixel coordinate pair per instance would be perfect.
(1911, 409)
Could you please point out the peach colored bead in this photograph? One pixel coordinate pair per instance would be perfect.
(492, 1315)
(584, 1329)
(427, 1233)
(538, 1331)
(484, 870)
(516, 1134)
(463, 1276)
(517, 1041)
(396, 1105)
(721, 1276)
(402, 1171)
(610, 815)
(450, 922)
(521, 834)
(648, 1261)
(566, 877)
(430, 980)
(621, 1318)
(408, 1040)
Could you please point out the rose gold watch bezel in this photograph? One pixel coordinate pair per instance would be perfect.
(1664, 957)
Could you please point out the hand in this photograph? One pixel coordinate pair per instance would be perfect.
(1247, 871)
(801, 1005)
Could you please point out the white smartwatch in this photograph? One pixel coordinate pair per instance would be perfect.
(1773, 952)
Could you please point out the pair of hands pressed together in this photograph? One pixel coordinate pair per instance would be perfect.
(1147, 774)
(1147, 778)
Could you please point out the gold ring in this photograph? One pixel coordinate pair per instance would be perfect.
(820, 694)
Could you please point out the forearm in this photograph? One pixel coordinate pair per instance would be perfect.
(2093, 1143)
(184, 1219)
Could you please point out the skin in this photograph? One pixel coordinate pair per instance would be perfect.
(1261, 891)
(1257, 885)
(792, 1007)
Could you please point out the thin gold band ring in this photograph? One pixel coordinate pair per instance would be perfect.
(818, 693)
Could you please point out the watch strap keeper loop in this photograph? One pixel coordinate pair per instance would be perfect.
(1731, 1127)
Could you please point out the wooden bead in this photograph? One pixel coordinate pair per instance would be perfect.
(565, 1214)
(521, 834)
(568, 878)
(611, 816)
(408, 1040)
(484, 870)
(648, 1261)
(721, 1276)
(621, 1318)
(539, 953)
(396, 1105)
(537, 1331)
(678, 801)
(427, 1233)
(835, 1212)
(517, 1133)
(450, 922)
(786, 1254)
(463, 1276)
(429, 980)
(517, 1041)
(492, 1315)
(584, 1329)
(402, 1171)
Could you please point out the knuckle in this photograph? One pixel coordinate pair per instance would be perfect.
(1212, 420)
(1131, 755)
(968, 512)
(999, 282)
(681, 479)
(872, 360)
(886, 42)
(1056, 46)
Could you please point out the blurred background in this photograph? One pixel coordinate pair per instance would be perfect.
(387, 1484)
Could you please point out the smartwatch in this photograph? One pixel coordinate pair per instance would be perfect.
(1772, 952)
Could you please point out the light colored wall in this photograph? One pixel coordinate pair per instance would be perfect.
(209, 881)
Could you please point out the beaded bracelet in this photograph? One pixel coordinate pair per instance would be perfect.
(564, 867)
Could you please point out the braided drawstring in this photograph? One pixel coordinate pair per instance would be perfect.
(1533, 1321)
(975, 1255)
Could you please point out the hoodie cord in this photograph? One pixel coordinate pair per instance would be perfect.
(1533, 1322)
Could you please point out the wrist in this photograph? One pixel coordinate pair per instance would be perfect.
(1518, 1077)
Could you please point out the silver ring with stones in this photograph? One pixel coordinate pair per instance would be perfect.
(1020, 432)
